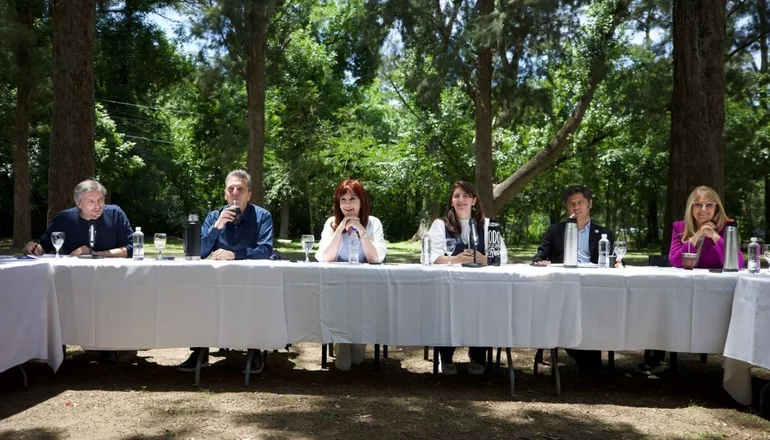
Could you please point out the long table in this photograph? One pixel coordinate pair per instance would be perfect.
(126, 304)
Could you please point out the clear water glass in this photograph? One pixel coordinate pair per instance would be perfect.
(57, 238)
(766, 253)
(159, 240)
(307, 245)
(621, 247)
(449, 248)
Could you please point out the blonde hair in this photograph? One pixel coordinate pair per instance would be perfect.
(719, 211)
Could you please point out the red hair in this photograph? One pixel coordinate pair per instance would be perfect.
(354, 187)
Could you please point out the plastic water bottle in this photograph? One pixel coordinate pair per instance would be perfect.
(752, 256)
(604, 252)
(426, 261)
(353, 247)
(138, 244)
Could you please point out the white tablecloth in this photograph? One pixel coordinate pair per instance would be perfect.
(419, 305)
(748, 339)
(29, 315)
(126, 304)
(670, 309)
(122, 304)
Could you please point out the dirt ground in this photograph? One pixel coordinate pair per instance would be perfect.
(144, 397)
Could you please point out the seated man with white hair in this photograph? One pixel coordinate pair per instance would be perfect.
(113, 234)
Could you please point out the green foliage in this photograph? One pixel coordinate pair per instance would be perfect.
(383, 91)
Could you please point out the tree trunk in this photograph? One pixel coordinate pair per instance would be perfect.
(764, 28)
(696, 154)
(22, 229)
(284, 234)
(652, 218)
(485, 171)
(71, 157)
(511, 186)
(259, 19)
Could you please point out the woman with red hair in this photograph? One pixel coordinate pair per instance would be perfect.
(351, 216)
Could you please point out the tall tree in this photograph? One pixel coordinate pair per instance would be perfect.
(696, 154)
(22, 229)
(241, 27)
(72, 156)
(485, 173)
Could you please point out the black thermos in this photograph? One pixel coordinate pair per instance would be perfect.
(192, 238)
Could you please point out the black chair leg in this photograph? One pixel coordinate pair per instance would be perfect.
(497, 363)
(704, 358)
(385, 351)
(24, 380)
(331, 349)
(673, 361)
(538, 361)
(763, 407)
(247, 374)
(555, 370)
(611, 361)
(435, 361)
(376, 356)
(425, 355)
(489, 360)
(323, 355)
(511, 374)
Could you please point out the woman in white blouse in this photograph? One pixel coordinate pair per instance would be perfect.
(351, 216)
(463, 205)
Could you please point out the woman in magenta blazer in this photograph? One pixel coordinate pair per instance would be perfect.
(703, 228)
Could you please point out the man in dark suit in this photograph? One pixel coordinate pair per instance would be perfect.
(579, 201)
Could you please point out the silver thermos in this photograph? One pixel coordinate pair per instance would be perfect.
(192, 238)
(732, 242)
(571, 243)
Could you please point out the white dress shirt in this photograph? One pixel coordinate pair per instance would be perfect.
(373, 228)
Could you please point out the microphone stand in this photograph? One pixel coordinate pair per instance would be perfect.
(473, 239)
(91, 240)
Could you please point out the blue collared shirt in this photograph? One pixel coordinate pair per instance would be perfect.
(112, 231)
(584, 247)
(251, 239)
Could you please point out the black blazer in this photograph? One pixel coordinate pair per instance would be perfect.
(552, 246)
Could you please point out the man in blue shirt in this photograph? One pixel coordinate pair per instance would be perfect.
(579, 202)
(112, 228)
(225, 237)
(237, 231)
(113, 235)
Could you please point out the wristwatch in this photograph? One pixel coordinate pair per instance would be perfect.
(364, 235)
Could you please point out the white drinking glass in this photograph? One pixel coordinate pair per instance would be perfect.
(449, 248)
(621, 247)
(307, 245)
(159, 240)
(57, 238)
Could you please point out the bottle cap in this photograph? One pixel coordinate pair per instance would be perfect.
(192, 218)
(604, 235)
(753, 238)
(138, 229)
(572, 220)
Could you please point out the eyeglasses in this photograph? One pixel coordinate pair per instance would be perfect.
(465, 196)
(707, 205)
